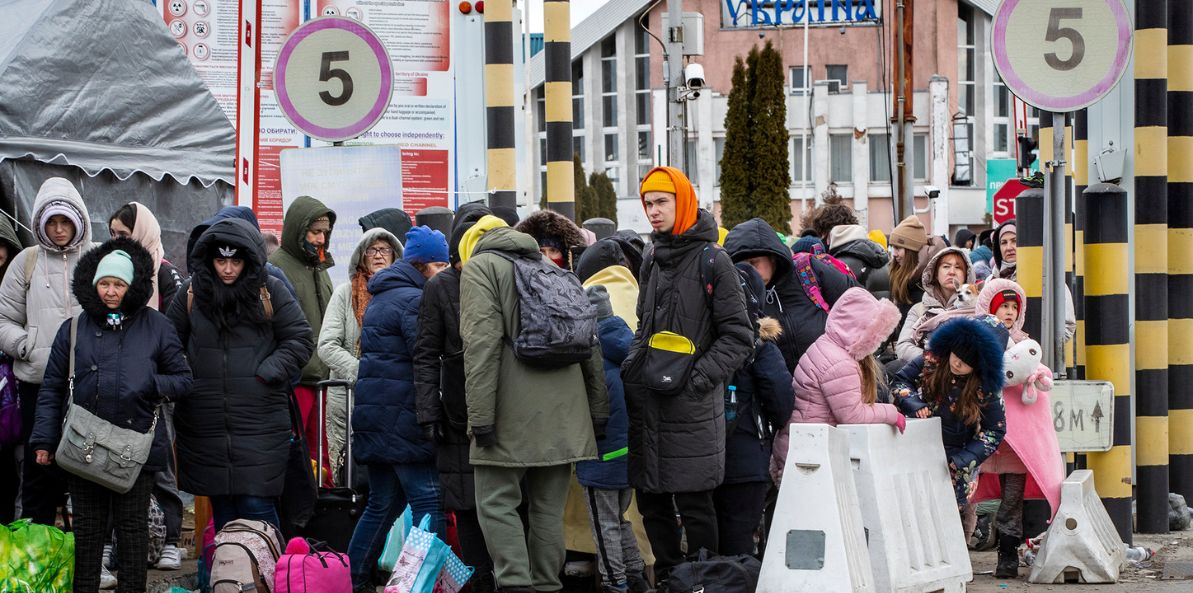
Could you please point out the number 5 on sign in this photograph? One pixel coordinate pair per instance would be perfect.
(333, 78)
(1061, 55)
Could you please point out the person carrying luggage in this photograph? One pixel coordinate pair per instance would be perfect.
(126, 362)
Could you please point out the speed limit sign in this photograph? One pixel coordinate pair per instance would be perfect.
(333, 78)
(1061, 55)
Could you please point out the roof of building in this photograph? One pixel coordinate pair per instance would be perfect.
(599, 24)
(590, 31)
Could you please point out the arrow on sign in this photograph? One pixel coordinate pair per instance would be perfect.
(1097, 416)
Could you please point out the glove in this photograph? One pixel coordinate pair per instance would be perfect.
(598, 427)
(433, 432)
(485, 436)
(910, 404)
(901, 423)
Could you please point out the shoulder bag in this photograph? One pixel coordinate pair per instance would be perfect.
(95, 449)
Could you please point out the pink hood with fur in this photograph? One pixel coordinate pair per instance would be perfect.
(994, 286)
(828, 381)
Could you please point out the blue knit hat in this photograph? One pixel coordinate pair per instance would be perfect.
(809, 244)
(116, 264)
(425, 245)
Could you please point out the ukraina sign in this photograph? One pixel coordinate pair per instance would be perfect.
(754, 14)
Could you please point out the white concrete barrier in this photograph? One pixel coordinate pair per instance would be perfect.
(916, 541)
(1082, 544)
(816, 541)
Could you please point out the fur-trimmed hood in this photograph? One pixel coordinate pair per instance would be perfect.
(928, 277)
(986, 346)
(994, 286)
(139, 291)
(546, 223)
(242, 300)
(860, 323)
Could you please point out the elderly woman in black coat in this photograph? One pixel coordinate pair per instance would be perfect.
(246, 337)
(128, 361)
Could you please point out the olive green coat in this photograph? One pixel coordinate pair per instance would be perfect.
(307, 273)
(542, 417)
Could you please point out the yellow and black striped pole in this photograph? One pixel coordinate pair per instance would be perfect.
(1180, 247)
(557, 55)
(1107, 341)
(1151, 267)
(499, 103)
(1081, 165)
(1046, 146)
(1029, 223)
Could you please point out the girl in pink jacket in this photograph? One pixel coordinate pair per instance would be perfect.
(837, 379)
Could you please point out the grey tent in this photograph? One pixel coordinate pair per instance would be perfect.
(98, 92)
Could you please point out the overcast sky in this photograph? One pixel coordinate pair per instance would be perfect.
(580, 10)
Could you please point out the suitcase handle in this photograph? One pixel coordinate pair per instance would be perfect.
(323, 387)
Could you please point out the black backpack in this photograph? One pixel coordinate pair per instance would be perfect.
(715, 574)
(557, 324)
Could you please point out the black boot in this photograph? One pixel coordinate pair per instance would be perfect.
(1008, 558)
(483, 583)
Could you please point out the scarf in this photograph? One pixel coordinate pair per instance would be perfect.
(360, 296)
(148, 233)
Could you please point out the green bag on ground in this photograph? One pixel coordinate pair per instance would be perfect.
(36, 558)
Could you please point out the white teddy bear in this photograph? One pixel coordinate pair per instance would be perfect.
(1023, 367)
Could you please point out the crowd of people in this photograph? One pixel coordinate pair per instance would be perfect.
(507, 376)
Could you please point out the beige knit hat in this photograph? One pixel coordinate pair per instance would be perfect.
(910, 234)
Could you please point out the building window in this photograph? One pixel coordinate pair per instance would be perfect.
(800, 76)
(719, 147)
(577, 95)
(1002, 117)
(611, 152)
(609, 82)
(919, 167)
(966, 59)
(797, 162)
(693, 168)
(578, 147)
(540, 100)
(880, 158)
(838, 77)
(642, 106)
(841, 155)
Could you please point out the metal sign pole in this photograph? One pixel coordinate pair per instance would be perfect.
(1054, 251)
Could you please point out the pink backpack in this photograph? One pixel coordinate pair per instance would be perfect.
(311, 567)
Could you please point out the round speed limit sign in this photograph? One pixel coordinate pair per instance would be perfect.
(1061, 55)
(333, 78)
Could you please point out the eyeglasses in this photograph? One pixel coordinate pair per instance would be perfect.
(372, 251)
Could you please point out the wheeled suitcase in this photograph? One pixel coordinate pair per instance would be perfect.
(337, 509)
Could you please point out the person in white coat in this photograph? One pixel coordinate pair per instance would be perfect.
(339, 341)
(35, 298)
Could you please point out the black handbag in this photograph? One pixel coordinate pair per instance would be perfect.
(299, 493)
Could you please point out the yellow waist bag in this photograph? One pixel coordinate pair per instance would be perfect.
(669, 361)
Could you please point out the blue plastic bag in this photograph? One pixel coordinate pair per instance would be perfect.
(395, 539)
(422, 559)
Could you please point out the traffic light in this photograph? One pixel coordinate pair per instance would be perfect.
(1027, 152)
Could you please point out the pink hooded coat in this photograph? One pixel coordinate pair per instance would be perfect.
(1030, 445)
(828, 382)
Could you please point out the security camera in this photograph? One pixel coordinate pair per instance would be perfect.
(694, 75)
(933, 192)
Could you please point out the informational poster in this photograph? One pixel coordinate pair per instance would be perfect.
(207, 32)
(420, 116)
(279, 18)
(352, 181)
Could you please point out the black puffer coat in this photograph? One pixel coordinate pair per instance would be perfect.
(121, 372)
(439, 373)
(802, 321)
(677, 442)
(868, 261)
(234, 427)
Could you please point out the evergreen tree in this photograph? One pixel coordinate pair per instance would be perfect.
(769, 139)
(585, 204)
(603, 196)
(737, 156)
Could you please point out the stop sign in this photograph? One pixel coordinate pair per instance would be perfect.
(1004, 200)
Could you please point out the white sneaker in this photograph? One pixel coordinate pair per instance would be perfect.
(107, 580)
(107, 561)
(171, 558)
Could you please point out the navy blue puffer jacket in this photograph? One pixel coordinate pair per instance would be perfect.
(384, 420)
(609, 471)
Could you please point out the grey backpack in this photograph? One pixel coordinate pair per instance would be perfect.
(557, 324)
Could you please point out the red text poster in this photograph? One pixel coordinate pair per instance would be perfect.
(279, 18)
(425, 176)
